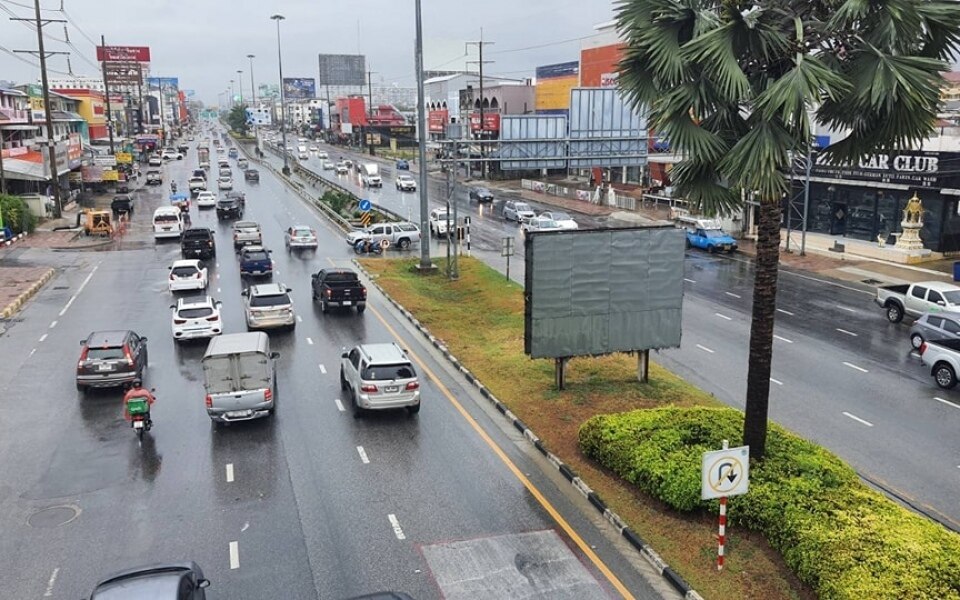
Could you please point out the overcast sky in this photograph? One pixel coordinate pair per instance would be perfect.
(205, 42)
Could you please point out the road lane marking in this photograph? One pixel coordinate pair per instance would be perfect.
(246, 526)
(310, 341)
(947, 402)
(63, 311)
(689, 280)
(229, 472)
(732, 294)
(43, 337)
(396, 527)
(523, 479)
(850, 333)
(218, 265)
(857, 419)
(846, 308)
(786, 312)
(31, 352)
(705, 349)
(218, 290)
(87, 280)
(52, 325)
(853, 366)
(783, 339)
(363, 455)
(299, 319)
(339, 405)
(723, 316)
(323, 369)
(50, 583)
(775, 381)
(234, 555)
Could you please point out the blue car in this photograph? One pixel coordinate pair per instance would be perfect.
(403, 165)
(710, 239)
(255, 261)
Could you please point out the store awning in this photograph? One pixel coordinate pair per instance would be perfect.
(22, 169)
(23, 127)
(64, 115)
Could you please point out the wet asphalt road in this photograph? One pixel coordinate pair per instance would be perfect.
(843, 376)
(309, 504)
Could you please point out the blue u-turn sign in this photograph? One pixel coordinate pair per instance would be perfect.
(365, 205)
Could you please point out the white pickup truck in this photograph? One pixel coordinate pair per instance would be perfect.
(399, 235)
(943, 358)
(918, 298)
(438, 222)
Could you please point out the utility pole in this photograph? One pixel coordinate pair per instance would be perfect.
(39, 23)
(483, 125)
(283, 125)
(106, 93)
(426, 265)
(140, 96)
(369, 112)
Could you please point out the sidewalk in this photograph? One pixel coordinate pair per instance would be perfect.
(18, 284)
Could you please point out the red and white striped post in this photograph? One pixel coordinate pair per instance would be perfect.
(723, 532)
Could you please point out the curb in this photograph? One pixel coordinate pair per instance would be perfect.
(16, 238)
(645, 550)
(10, 309)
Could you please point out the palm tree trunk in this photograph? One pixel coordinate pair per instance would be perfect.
(761, 328)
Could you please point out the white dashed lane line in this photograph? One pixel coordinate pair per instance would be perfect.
(947, 402)
(725, 317)
(732, 295)
(857, 419)
(310, 341)
(846, 308)
(234, 555)
(775, 381)
(855, 367)
(786, 312)
(363, 455)
(323, 369)
(850, 333)
(43, 337)
(52, 325)
(299, 319)
(339, 405)
(229, 469)
(782, 339)
(689, 280)
(396, 527)
(705, 349)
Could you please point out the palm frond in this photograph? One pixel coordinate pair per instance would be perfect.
(802, 87)
(757, 160)
(714, 51)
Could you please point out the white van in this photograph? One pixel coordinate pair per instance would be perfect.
(167, 222)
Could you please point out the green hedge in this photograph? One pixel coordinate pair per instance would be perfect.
(16, 215)
(843, 539)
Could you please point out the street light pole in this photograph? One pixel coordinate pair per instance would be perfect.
(253, 90)
(283, 127)
(425, 263)
(240, 86)
(233, 95)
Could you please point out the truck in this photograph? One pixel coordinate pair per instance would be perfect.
(400, 235)
(198, 242)
(339, 288)
(915, 299)
(370, 175)
(203, 157)
(706, 234)
(239, 377)
(438, 222)
(943, 358)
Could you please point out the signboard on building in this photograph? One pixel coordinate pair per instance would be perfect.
(554, 82)
(491, 121)
(124, 53)
(62, 157)
(259, 115)
(165, 82)
(915, 169)
(605, 130)
(437, 120)
(343, 69)
(299, 88)
(123, 73)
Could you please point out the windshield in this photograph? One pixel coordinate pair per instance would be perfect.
(714, 233)
(195, 313)
(560, 216)
(952, 297)
(548, 224)
(269, 300)
(166, 219)
(255, 256)
(184, 271)
(302, 232)
(388, 372)
(523, 207)
(105, 353)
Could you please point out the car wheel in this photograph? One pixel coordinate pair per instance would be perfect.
(357, 411)
(404, 244)
(324, 308)
(343, 382)
(82, 389)
(412, 410)
(945, 376)
(689, 245)
(361, 308)
(916, 340)
(894, 312)
(712, 249)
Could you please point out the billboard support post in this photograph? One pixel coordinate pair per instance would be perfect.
(643, 366)
(560, 365)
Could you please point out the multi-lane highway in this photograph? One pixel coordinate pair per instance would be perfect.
(842, 375)
(309, 504)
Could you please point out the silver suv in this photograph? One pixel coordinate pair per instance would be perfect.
(268, 306)
(517, 211)
(378, 377)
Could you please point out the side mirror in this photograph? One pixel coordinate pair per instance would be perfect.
(245, 292)
(143, 339)
(82, 342)
(173, 306)
(344, 354)
(218, 304)
(152, 390)
(203, 583)
(274, 355)
(170, 268)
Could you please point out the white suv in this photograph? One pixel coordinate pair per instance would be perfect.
(517, 211)
(379, 377)
(268, 306)
(195, 318)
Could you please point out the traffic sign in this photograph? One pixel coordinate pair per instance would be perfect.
(365, 205)
(725, 473)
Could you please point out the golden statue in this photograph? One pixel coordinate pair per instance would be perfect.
(913, 213)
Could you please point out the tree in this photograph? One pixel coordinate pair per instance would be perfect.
(237, 119)
(735, 87)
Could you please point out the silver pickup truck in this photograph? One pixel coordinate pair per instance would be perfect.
(918, 298)
(943, 358)
(239, 377)
(246, 233)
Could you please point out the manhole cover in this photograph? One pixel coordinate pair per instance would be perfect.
(55, 516)
(872, 281)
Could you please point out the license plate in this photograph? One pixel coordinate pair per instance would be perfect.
(391, 388)
(234, 414)
(138, 424)
(105, 367)
(167, 228)
(347, 302)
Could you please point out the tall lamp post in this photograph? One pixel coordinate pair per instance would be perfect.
(283, 128)
(233, 95)
(240, 85)
(253, 90)
(425, 263)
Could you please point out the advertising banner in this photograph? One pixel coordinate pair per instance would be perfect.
(258, 116)
(558, 70)
(123, 73)
(299, 88)
(491, 121)
(343, 69)
(437, 120)
(554, 94)
(166, 82)
(124, 157)
(124, 53)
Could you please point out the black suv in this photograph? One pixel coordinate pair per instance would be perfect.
(229, 208)
(121, 205)
(197, 242)
(251, 175)
(111, 359)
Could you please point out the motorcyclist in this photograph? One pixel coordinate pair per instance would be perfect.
(173, 187)
(137, 391)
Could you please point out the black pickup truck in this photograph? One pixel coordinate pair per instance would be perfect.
(339, 288)
(198, 242)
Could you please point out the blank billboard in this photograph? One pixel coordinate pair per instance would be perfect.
(605, 131)
(593, 292)
(532, 142)
(343, 69)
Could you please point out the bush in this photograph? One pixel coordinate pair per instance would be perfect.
(16, 215)
(337, 201)
(840, 537)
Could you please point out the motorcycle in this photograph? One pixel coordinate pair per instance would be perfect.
(139, 411)
(367, 247)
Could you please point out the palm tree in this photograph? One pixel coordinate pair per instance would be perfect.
(736, 86)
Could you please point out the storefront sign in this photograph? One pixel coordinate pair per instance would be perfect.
(436, 120)
(124, 53)
(491, 121)
(917, 169)
(124, 157)
(105, 161)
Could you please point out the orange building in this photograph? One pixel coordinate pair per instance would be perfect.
(600, 57)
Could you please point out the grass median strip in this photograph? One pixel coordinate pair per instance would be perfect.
(480, 319)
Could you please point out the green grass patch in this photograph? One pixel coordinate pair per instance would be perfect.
(480, 318)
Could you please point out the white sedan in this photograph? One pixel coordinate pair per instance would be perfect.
(206, 199)
(564, 220)
(328, 166)
(187, 275)
(225, 183)
(195, 318)
(540, 223)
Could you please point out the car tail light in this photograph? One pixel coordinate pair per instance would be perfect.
(923, 348)
(179, 321)
(198, 275)
(173, 277)
(329, 292)
(209, 401)
(83, 357)
(214, 318)
(368, 388)
(413, 385)
(127, 355)
(363, 292)
(268, 394)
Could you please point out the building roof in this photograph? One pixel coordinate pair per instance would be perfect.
(12, 92)
(952, 76)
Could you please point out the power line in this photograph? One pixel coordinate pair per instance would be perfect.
(74, 23)
(27, 6)
(548, 44)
